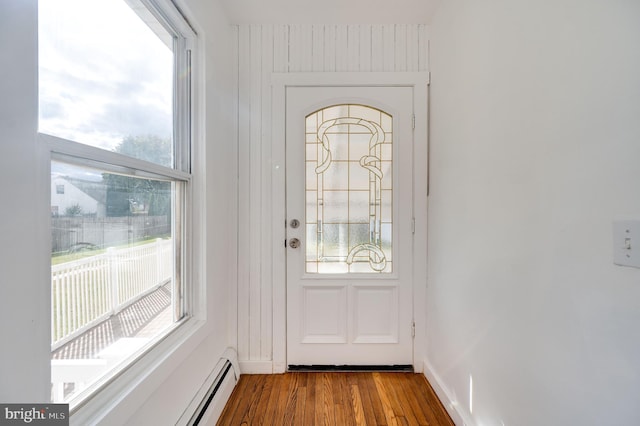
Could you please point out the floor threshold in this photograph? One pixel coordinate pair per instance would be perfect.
(403, 368)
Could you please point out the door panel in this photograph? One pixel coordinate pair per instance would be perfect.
(349, 177)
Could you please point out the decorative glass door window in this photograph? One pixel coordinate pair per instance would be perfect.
(349, 190)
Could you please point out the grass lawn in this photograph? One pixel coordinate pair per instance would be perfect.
(64, 257)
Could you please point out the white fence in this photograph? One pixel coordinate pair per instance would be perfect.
(87, 291)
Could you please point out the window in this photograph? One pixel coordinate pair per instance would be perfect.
(114, 102)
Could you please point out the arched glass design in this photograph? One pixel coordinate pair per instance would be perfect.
(349, 190)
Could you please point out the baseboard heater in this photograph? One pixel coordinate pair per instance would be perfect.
(207, 405)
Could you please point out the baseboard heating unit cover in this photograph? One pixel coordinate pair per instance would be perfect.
(207, 405)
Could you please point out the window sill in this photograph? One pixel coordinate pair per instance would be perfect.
(119, 398)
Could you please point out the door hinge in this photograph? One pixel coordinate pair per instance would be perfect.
(413, 329)
(413, 121)
(429, 79)
(413, 225)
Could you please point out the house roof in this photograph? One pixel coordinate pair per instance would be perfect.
(95, 190)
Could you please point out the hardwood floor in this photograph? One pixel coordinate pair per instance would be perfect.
(302, 398)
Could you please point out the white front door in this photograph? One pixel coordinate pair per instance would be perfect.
(349, 225)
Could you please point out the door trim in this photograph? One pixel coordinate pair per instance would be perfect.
(279, 83)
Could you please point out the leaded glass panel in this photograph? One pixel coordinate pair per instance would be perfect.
(349, 190)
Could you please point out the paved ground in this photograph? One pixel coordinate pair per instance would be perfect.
(145, 318)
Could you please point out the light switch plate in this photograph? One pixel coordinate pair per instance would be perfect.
(626, 243)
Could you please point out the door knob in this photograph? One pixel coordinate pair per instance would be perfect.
(294, 243)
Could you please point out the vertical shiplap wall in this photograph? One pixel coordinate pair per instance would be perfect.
(267, 49)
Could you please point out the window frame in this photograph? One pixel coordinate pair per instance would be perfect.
(94, 402)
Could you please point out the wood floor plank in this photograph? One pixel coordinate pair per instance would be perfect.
(340, 415)
(328, 405)
(387, 409)
(399, 403)
(319, 411)
(234, 401)
(369, 412)
(431, 405)
(281, 405)
(310, 394)
(404, 386)
(272, 406)
(442, 417)
(381, 419)
(301, 403)
(399, 383)
(423, 401)
(263, 401)
(338, 397)
(356, 403)
(291, 407)
(241, 415)
(344, 399)
(307, 398)
(257, 389)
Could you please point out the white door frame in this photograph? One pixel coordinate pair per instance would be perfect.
(280, 82)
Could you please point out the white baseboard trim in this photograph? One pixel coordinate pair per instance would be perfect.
(279, 367)
(256, 367)
(457, 413)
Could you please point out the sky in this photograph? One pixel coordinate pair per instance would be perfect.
(103, 73)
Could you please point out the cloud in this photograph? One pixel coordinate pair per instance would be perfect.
(104, 74)
(131, 119)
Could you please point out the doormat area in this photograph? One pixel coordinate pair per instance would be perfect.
(405, 368)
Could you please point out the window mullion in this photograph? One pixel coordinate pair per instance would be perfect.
(118, 163)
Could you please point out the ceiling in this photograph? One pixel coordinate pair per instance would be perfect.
(330, 11)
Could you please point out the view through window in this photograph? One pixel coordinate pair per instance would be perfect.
(107, 80)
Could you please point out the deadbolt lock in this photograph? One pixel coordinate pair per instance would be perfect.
(294, 223)
(294, 243)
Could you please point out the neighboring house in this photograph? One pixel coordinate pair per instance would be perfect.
(85, 197)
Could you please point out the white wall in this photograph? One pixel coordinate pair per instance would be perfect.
(263, 50)
(168, 384)
(25, 247)
(535, 142)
